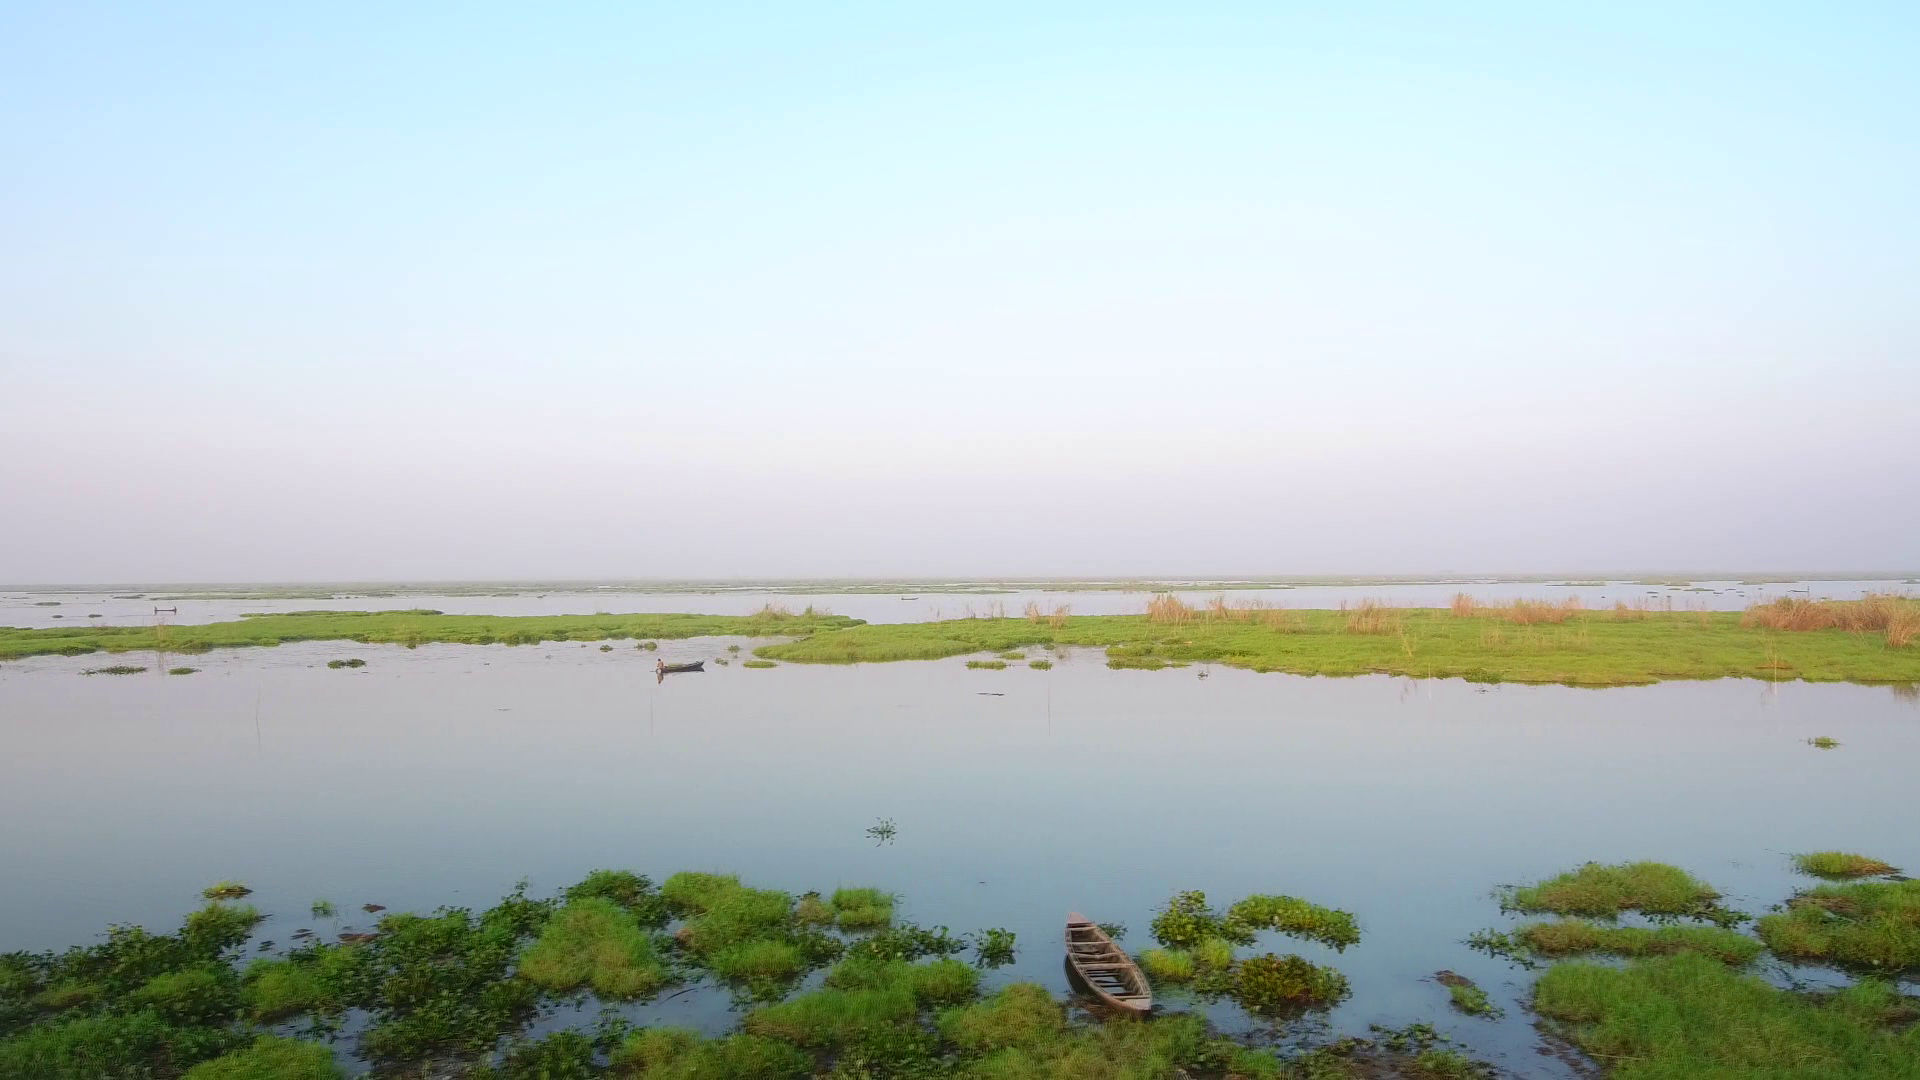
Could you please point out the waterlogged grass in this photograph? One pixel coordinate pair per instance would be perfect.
(410, 627)
(116, 669)
(1823, 742)
(182, 670)
(1841, 865)
(271, 1058)
(226, 890)
(1275, 984)
(1688, 1016)
(1169, 965)
(595, 943)
(1295, 918)
(1575, 936)
(354, 662)
(1040, 665)
(679, 1054)
(988, 665)
(1598, 890)
(1582, 648)
(758, 663)
(1870, 926)
(862, 909)
(1466, 996)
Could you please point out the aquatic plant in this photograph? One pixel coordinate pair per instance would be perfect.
(1823, 742)
(606, 648)
(813, 911)
(1040, 665)
(759, 958)
(1019, 1015)
(117, 669)
(182, 670)
(276, 989)
(990, 665)
(225, 890)
(1013, 654)
(1840, 864)
(1214, 954)
(1270, 984)
(634, 892)
(679, 1054)
(1605, 890)
(1734, 1024)
(324, 909)
(1580, 936)
(595, 942)
(882, 832)
(647, 645)
(757, 663)
(994, 947)
(1293, 917)
(1187, 920)
(352, 662)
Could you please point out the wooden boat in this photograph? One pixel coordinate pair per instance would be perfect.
(670, 669)
(1106, 970)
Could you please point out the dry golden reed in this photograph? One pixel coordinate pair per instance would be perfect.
(1892, 614)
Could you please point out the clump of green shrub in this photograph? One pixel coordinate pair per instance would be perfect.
(354, 662)
(1841, 864)
(1295, 918)
(595, 942)
(1270, 984)
(271, 1057)
(994, 947)
(1602, 890)
(862, 909)
(1870, 926)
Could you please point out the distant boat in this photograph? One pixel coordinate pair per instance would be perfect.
(674, 669)
(1105, 969)
(909, 598)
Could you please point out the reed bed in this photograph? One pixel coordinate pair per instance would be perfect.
(1895, 615)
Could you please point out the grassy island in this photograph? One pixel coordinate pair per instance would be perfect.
(1876, 640)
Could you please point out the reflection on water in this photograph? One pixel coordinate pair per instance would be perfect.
(444, 774)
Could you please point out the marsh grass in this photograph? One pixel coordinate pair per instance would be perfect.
(271, 1057)
(988, 665)
(1823, 742)
(1688, 1016)
(225, 890)
(1894, 616)
(1373, 617)
(1466, 996)
(1270, 984)
(1168, 965)
(116, 669)
(1014, 655)
(1168, 608)
(1841, 864)
(1576, 936)
(664, 1053)
(758, 663)
(1040, 665)
(1871, 926)
(182, 670)
(595, 943)
(352, 662)
(759, 958)
(862, 908)
(1608, 890)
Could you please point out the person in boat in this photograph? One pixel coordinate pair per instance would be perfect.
(659, 667)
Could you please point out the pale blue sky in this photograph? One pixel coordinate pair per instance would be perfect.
(354, 291)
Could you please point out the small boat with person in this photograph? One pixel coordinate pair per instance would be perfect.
(663, 668)
(1104, 967)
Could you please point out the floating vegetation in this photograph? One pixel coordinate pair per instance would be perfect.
(1466, 996)
(1871, 926)
(882, 832)
(225, 890)
(647, 645)
(1014, 655)
(1575, 936)
(1823, 742)
(606, 648)
(721, 660)
(1295, 918)
(117, 669)
(1607, 890)
(182, 670)
(990, 665)
(270, 1057)
(1040, 665)
(353, 662)
(757, 663)
(324, 909)
(1733, 1024)
(1840, 864)
(1273, 984)
(994, 947)
(813, 911)
(1168, 965)
(594, 942)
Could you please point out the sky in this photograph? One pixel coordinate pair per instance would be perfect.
(352, 292)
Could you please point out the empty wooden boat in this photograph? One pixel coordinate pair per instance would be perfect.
(1105, 969)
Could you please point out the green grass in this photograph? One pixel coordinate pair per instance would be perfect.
(226, 890)
(1471, 1000)
(1295, 918)
(1601, 890)
(1685, 1017)
(1214, 954)
(989, 665)
(831, 1017)
(1273, 984)
(1168, 965)
(412, 627)
(862, 909)
(664, 1053)
(1587, 649)
(271, 1058)
(1013, 655)
(759, 958)
(1840, 864)
(1871, 926)
(1580, 936)
(1040, 665)
(758, 663)
(182, 670)
(595, 943)
(275, 989)
(1020, 1015)
(116, 669)
(1823, 742)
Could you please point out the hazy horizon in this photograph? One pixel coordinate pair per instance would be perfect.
(357, 294)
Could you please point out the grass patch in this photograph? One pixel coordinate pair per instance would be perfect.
(1295, 918)
(1272, 984)
(1823, 742)
(1607, 890)
(1020, 1015)
(182, 670)
(1040, 665)
(271, 1058)
(1014, 655)
(1871, 926)
(1580, 936)
(1840, 864)
(679, 1054)
(758, 663)
(829, 1018)
(353, 662)
(1168, 965)
(273, 990)
(759, 958)
(226, 890)
(595, 943)
(1471, 1000)
(116, 669)
(989, 665)
(1688, 1016)
(862, 909)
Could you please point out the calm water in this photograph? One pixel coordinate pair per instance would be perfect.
(446, 773)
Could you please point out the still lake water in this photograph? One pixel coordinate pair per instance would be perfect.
(442, 775)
